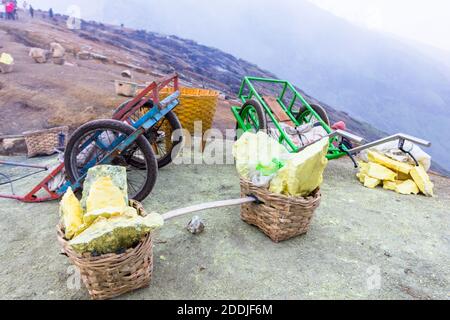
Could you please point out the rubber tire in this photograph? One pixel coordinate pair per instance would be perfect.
(174, 123)
(142, 142)
(319, 110)
(259, 111)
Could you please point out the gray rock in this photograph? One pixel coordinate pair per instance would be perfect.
(57, 50)
(126, 74)
(196, 226)
(59, 61)
(40, 55)
(84, 55)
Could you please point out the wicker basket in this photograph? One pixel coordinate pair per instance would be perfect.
(195, 105)
(112, 275)
(279, 217)
(44, 142)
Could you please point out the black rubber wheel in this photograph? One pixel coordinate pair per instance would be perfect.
(141, 181)
(319, 110)
(248, 112)
(165, 146)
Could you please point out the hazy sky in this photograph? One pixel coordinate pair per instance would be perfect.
(426, 21)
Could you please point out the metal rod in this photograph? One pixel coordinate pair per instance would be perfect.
(23, 165)
(207, 206)
(395, 137)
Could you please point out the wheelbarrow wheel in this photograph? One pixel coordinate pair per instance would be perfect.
(92, 142)
(165, 144)
(254, 117)
(305, 116)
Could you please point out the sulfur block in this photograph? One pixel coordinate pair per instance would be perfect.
(380, 172)
(71, 213)
(422, 179)
(387, 162)
(371, 183)
(407, 187)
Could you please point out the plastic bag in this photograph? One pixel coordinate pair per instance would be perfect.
(258, 157)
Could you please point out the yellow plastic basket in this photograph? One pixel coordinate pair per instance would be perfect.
(195, 105)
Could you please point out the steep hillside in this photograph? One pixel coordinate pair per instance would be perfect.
(37, 96)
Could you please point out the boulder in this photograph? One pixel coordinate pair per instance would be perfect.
(40, 55)
(6, 68)
(59, 61)
(11, 146)
(84, 55)
(57, 50)
(126, 74)
(126, 89)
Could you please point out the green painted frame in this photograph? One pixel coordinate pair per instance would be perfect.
(248, 83)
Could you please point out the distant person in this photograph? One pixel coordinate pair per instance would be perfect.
(10, 10)
(31, 11)
(2, 11)
(25, 5)
(50, 13)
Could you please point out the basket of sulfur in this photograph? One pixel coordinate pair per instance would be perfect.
(107, 236)
(287, 186)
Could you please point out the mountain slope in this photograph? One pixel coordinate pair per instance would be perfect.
(38, 96)
(373, 76)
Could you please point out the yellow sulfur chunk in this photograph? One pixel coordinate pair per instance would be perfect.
(71, 213)
(422, 179)
(394, 165)
(110, 235)
(381, 173)
(105, 194)
(304, 173)
(6, 59)
(109, 212)
(371, 183)
(363, 171)
(391, 185)
(407, 187)
(403, 177)
(117, 174)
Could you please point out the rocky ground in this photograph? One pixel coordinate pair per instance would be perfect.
(358, 236)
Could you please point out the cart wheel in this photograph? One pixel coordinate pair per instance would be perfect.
(165, 146)
(305, 116)
(254, 117)
(89, 145)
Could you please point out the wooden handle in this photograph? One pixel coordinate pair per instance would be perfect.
(207, 206)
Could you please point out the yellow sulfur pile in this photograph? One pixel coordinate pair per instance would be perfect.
(394, 175)
(109, 224)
